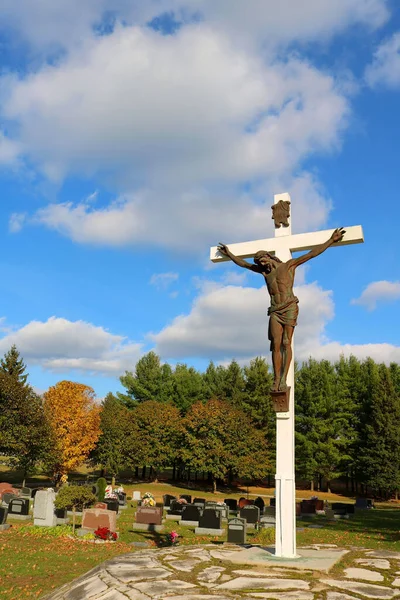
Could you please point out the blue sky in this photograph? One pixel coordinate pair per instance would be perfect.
(135, 135)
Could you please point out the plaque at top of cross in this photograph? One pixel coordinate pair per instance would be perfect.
(273, 260)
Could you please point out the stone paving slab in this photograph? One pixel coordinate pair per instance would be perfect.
(174, 574)
(365, 589)
(365, 574)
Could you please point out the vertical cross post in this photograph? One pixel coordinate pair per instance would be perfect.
(285, 488)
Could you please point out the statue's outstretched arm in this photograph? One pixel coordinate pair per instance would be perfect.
(223, 248)
(336, 236)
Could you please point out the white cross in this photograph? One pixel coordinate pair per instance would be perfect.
(282, 245)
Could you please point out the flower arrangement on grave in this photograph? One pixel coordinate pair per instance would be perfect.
(182, 501)
(110, 494)
(103, 533)
(172, 538)
(148, 499)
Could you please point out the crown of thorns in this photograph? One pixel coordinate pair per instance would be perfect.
(261, 253)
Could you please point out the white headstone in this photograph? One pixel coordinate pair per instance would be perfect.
(137, 496)
(43, 509)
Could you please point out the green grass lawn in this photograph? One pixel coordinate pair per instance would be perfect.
(32, 564)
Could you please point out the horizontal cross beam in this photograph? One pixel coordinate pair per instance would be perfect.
(295, 243)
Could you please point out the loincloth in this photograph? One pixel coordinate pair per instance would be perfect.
(285, 314)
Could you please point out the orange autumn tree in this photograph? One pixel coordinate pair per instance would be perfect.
(74, 418)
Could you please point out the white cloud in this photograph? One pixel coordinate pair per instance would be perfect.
(16, 222)
(49, 24)
(162, 281)
(60, 345)
(385, 67)
(378, 291)
(190, 221)
(226, 322)
(175, 109)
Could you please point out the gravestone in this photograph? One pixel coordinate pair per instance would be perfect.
(307, 507)
(61, 516)
(210, 523)
(121, 499)
(237, 529)
(26, 492)
(186, 497)
(93, 518)
(199, 502)
(112, 504)
(244, 502)
(231, 504)
(175, 511)
(272, 502)
(148, 518)
(260, 503)
(223, 508)
(3, 518)
(168, 499)
(251, 514)
(137, 495)
(269, 511)
(191, 515)
(7, 497)
(342, 509)
(364, 503)
(43, 509)
(18, 508)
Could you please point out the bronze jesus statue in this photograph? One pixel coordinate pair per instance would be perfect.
(284, 310)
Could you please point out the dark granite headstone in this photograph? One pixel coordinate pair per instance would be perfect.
(111, 504)
(27, 492)
(61, 513)
(237, 531)
(199, 501)
(121, 498)
(342, 508)
(3, 515)
(191, 513)
(150, 515)
(210, 519)
(18, 506)
(250, 513)
(272, 501)
(168, 499)
(176, 508)
(364, 503)
(231, 504)
(260, 503)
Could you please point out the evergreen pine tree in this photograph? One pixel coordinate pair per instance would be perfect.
(151, 381)
(13, 364)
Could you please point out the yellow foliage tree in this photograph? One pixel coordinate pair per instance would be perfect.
(74, 417)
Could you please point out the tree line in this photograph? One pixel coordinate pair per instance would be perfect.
(217, 423)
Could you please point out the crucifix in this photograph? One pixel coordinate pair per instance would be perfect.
(277, 265)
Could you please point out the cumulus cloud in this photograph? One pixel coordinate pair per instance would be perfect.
(385, 67)
(179, 109)
(61, 345)
(378, 291)
(190, 221)
(162, 281)
(47, 24)
(227, 321)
